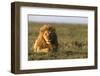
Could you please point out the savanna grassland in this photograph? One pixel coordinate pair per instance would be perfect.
(72, 39)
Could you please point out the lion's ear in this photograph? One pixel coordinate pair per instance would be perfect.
(43, 28)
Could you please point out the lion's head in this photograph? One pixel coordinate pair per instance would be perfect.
(48, 33)
(47, 39)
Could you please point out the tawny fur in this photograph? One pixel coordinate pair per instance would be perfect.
(47, 40)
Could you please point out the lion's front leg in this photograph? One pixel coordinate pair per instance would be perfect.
(40, 50)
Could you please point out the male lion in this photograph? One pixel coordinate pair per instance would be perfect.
(47, 40)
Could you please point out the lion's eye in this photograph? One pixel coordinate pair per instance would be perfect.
(46, 33)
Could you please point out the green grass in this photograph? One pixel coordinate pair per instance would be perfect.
(72, 39)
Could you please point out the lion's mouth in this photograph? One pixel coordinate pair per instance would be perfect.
(48, 42)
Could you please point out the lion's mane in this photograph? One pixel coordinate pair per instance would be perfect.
(44, 43)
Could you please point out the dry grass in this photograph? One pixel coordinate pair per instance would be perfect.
(72, 40)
